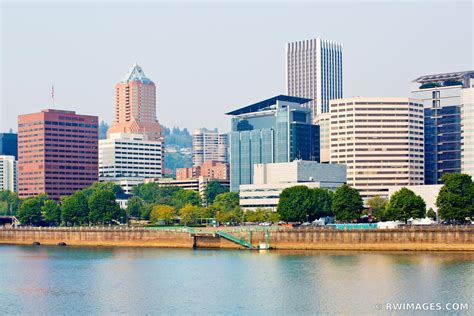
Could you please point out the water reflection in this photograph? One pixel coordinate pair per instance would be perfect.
(54, 280)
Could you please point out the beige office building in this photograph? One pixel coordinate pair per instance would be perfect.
(380, 140)
(324, 122)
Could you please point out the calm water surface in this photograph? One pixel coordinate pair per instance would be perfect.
(70, 281)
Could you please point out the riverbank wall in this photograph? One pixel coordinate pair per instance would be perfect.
(434, 238)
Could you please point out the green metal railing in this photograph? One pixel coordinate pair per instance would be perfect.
(240, 241)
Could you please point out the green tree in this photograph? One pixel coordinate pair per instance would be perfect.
(74, 209)
(295, 203)
(213, 189)
(9, 202)
(166, 195)
(377, 205)
(234, 215)
(206, 212)
(273, 217)
(135, 207)
(164, 213)
(347, 205)
(321, 203)
(108, 186)
(227, 201)
(30, 210)
(146, 211)
(103, 209)
(431, 214)
(182, 197)
(405, 204)
(146, 191)
(51, 213)
(188, 214)
(455, 200)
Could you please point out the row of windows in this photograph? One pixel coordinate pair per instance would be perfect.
(83, 131)
(48, 146)
(58, 124)
(71, 124)
(157, 157)
(377, 103)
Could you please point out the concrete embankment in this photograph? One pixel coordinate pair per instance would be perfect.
(407, 238)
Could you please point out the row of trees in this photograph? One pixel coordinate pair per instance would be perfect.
(455, 203)
(225, 208)
(93, 205)
(300, 203)
(149, 195)
(97, 205)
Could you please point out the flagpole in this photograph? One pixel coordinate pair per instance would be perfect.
(52, 95)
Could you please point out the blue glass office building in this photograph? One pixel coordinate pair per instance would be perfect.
(278, 129)
(9, 144)
(447, 141)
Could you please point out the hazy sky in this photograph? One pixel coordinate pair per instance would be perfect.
(209, 58)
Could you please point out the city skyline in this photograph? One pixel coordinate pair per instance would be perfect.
(203, 65)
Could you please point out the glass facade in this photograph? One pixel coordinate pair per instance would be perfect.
(304, 140)
(282, 134)
(442, 142)
(443, 131)
(9, 144)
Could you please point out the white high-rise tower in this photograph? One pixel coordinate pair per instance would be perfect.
(314, 71)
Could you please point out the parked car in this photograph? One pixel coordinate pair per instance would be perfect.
(265, 224)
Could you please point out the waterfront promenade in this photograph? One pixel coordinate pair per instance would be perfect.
(427, 238)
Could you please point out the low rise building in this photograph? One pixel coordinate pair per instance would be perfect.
(211, 169)
(271, 179)
(8, 173)
(429, 193)
(122, 200)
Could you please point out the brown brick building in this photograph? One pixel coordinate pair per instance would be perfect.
(57, 153)
(210, 169)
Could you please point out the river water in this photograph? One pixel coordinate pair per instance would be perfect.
(43, 280)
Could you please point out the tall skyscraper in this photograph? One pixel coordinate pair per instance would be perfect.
(449, 117)
(209, 145)
(380, 140)
(278, 129)
(135, 106)
(314, 71)
(9, 144)
(8, 173)
(57, 153)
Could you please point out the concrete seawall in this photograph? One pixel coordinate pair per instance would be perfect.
(408, 238)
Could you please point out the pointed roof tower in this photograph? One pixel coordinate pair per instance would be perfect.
(136, 74)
